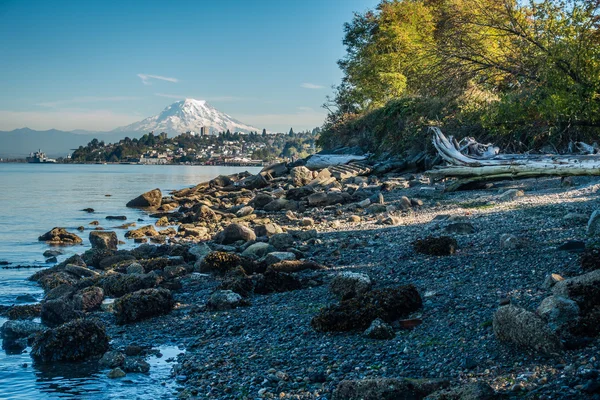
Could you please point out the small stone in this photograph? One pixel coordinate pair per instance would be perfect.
(116, 373)
(307, 222)
(379, 330)
(593, 226)
(354, 219)
(511, 194)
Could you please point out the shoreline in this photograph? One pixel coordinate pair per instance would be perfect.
(269, 334)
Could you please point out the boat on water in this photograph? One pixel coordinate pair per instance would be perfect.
(38, 158)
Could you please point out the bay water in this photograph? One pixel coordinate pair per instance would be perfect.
(35, 198)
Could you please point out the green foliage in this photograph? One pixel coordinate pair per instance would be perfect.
(521, 73)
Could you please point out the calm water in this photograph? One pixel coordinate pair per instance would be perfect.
(36, 198)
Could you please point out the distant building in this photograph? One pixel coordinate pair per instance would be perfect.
(205, 130)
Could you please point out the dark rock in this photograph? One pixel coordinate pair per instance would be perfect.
(225, 300)
(117, 285)
(144, 231)
(52, 260)
(281, 241)
(387, 389)
(89, 299)
(575, 246)
(221, 262)
(379, 330)
(60, 236)
(469, 391)
(234, 232)
(133, 350)
(29, 311)
(12, 331)
(436, 246)
(275, 282)
(152, 199)
(205, 214)
(74, 341)
(112, 359)
(52, 253)
(346, 285)
(260, 200)
(116, 217)
(136, 365)
(88, 210)
(267, 230)
(143, 304)
(460, 228)
(590, 259)
(387, 304)
(58, 311)
(25, 298)
(53, 280)
(103, 240)
(291, 266)
(116, 373)
(299, 193)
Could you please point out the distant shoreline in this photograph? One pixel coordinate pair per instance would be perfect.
(141, 164)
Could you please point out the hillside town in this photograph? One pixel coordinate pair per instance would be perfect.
(190, 148)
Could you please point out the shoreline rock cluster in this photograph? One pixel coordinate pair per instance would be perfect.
(340, 282)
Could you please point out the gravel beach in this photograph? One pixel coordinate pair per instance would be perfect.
(247, 329)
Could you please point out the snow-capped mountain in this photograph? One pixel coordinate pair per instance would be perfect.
(189, 115)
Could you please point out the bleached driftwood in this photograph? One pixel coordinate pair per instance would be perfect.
(319, 161)
(490, 167)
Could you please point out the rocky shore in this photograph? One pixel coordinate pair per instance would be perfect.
(337, 279)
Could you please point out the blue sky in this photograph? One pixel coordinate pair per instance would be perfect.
(97, 65)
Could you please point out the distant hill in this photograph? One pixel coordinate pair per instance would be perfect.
(20, 142)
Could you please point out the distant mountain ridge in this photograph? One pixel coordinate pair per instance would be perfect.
(189, 115)
(179, 117)
(19, 143)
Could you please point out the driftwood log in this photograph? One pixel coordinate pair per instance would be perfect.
(486, 165)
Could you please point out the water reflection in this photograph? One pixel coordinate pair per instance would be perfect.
(22, 379)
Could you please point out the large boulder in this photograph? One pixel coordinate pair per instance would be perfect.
(224, 300)
(144, 231)
(258, 250)
(15, 333)
(346, 285)
(58, 311)
(593, 225)
(104, 240)
(268, 229)
(584, 289)
(89, 298)
(281, 241)
(151, 199)
(234, 232)
(560, 313)
(221, 262)
(301, 176)
(74, 341)
(117, 285)
(387, 389)
(379, 330)
(436, 246)
(60, 236)
(143, 304)
(359, 312)
(260, 200)
(525, 329)
(205, 214)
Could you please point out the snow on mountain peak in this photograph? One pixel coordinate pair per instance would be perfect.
(189, 115)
